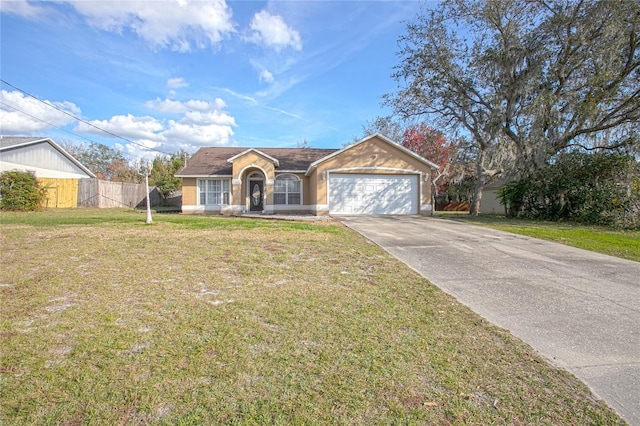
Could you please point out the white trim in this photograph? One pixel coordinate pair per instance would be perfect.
(222, 205)
(375, 168)
(293, 207)
(187, 208)
(39, 172)
(425, 207)
(236, 181)
(205, 176)
(381, 137)
(269, 181)
(264, 174)
(274, 160)
(228, 208)
(300, 180)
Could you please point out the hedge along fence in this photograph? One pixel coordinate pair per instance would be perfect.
(106, 194)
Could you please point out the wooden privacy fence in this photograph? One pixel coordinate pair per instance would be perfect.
(61, 193)
(106, 194)
(66, 193)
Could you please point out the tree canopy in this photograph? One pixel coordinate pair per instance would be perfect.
(105, 162)
(523, 81)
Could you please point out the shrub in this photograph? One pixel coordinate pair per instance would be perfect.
(599, 188)
(20, 191)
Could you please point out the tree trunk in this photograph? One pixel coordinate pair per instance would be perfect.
(474, 208)
(434, 196)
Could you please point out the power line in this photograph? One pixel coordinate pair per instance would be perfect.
(81, 120)
(46, 122)
(61, 128)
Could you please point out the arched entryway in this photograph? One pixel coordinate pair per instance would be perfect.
(255, 191)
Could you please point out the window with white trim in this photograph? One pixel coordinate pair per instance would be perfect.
(287, 190)
(214, 191)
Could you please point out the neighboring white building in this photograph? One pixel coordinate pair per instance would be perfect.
(40, 156)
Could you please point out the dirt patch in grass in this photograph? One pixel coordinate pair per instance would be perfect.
(210, 321)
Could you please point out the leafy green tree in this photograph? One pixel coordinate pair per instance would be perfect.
(164, 170)
(20, 191)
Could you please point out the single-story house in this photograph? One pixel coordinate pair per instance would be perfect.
(372, 176)
(40, 156)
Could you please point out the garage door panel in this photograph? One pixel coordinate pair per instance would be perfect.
(373, 194)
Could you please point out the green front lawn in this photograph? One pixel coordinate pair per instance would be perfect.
(623, 244)
(206, 320)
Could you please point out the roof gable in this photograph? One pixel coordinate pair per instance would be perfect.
(14, 144)
(257, 151)
(380, 137)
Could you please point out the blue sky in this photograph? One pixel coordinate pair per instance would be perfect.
(186, 74)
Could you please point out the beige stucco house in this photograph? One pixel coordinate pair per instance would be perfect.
(372, 176)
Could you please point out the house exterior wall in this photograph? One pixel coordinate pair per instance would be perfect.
(189, 191)
(371, 156)
(490, 202)
(42, 159)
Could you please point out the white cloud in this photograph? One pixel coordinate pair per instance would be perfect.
(201, 123)
(179, 25)
(22, 8)
(176, 83)
(201, 135)
(177, 107)
(20, 114)
(127, 126)
(266, 77)
(271, 31)
(244, 97)
(208, 118)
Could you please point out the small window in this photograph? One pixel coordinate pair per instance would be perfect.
(287, 190)
(214, 191)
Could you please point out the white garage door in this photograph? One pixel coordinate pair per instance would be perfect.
(373, 194)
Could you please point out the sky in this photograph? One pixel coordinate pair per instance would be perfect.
(167, 75)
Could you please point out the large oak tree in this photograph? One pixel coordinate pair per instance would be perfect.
(529, 77)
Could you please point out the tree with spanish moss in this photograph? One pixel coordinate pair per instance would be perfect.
(523, 81)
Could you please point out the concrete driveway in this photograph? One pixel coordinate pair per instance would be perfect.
(579, 309)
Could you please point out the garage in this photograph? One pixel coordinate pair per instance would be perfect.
(373, 194)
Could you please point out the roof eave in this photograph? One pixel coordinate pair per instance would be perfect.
(270, 158)
(195, 175)
(380, 136)
(57, 148)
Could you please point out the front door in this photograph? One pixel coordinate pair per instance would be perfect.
(256, 195)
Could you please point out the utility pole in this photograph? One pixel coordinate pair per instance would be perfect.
(145, 171)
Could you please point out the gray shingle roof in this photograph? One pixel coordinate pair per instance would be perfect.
(213, 160)
(9, 141)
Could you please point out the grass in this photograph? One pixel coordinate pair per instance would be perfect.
(206, 320)
(620, 243)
